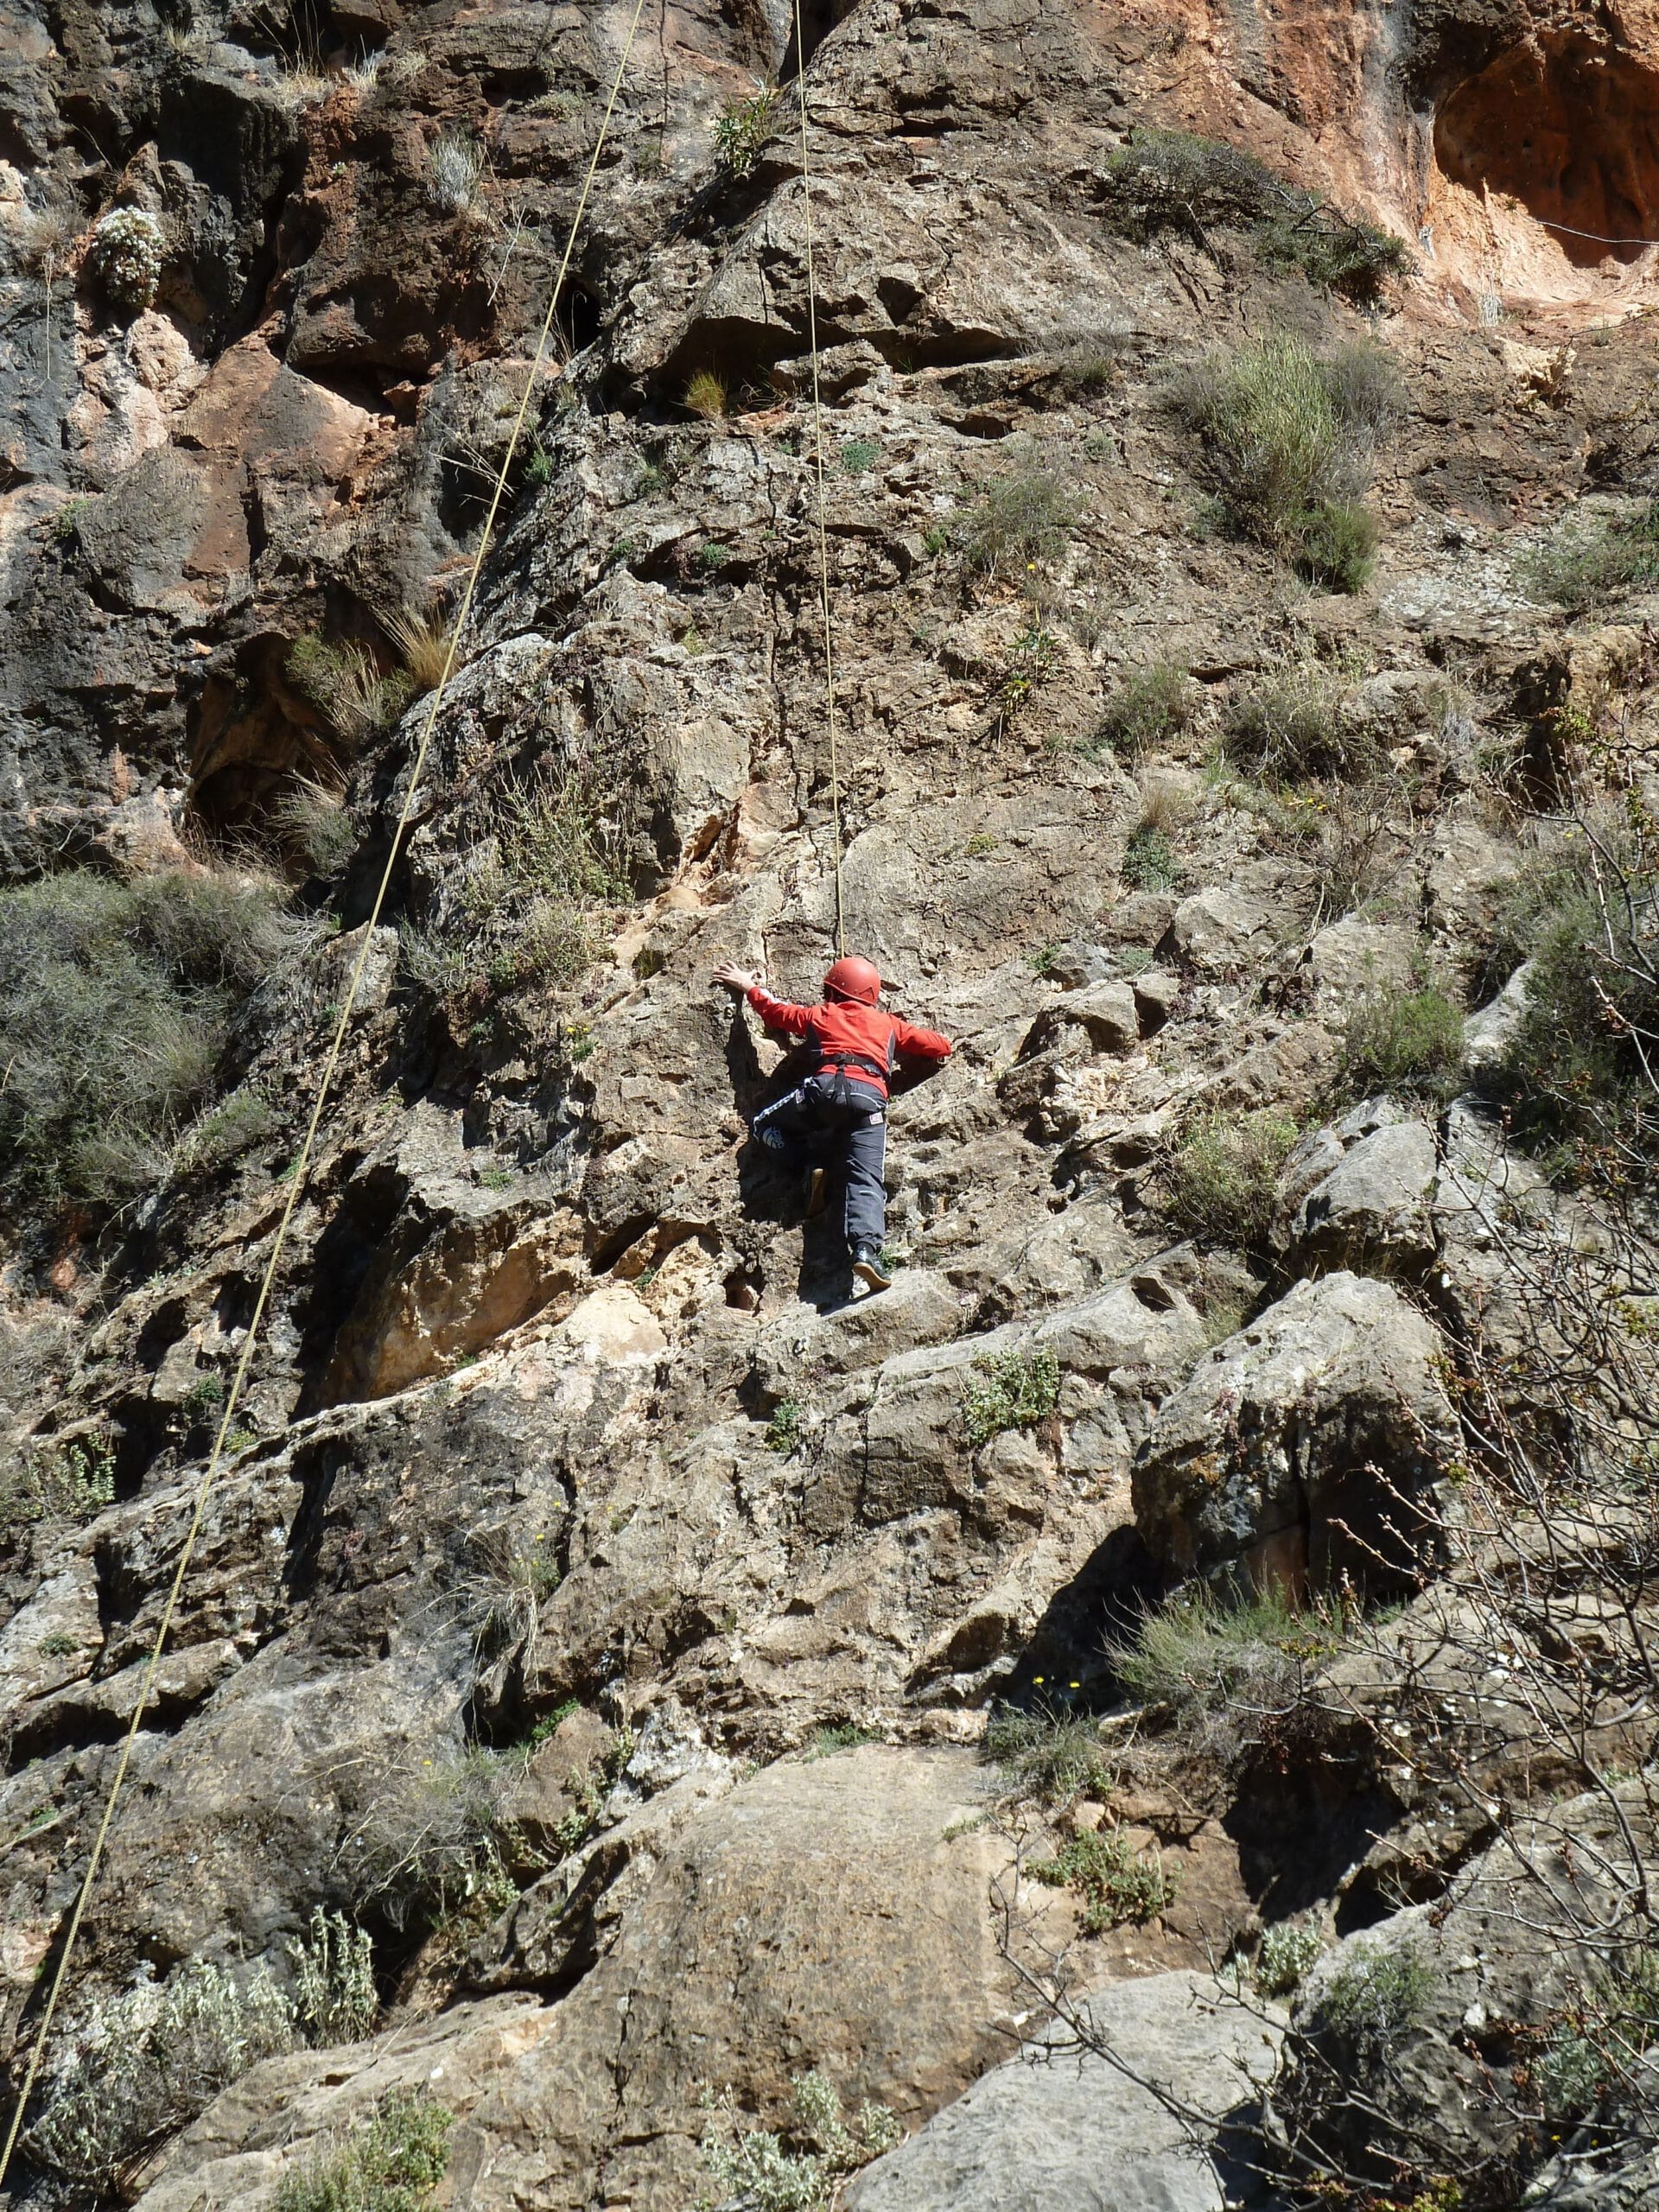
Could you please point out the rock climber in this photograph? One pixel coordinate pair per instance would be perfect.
(839, 1108)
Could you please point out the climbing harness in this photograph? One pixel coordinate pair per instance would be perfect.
(818, 449)
(210, 1475)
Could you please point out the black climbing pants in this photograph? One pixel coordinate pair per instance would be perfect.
(833, 1122)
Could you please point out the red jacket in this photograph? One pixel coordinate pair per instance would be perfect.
(869, 1036)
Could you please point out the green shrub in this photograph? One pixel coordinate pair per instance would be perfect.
(1149, 861)
(1338, 252)
(1338, 545)
(1050, 1754)
(1150, 708)
(743, 131)
(1196, 1654)
(1013, 1389)
(391, 2163)
(1289, 437)
(430, 1841)
(844, 1736)
(1409, 1040)
(1026, 516)
(117, 1001)
(1290, 727)
(1585, 563)
(858, 454)
(1221, 1177)
(799, 2170)
(783, 1430)
(1119, 1885)
(1375, 1996)
(71, 1481)
(1287, 1950)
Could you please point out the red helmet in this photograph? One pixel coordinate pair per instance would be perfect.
(855, 979)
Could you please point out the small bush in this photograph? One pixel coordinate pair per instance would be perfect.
(1053, 1755)
(783, 1430)
(1338, 545)
(1149, 861)
(430, 1843)
(1015, 1390)
(1287, 1950)
(1291, 727)
(1289, 437)
(1221, 1178)
(117, 1001)
(1151, 707)
(705, 395)
(743, 129)
(1588, 563)
(1119, 1885)
(1220, 1672)
(127, 250)
(144, 2064)
(797, 2170)
(333, 1998)
(391, 2163)
(1410, 1040)
(1026, 516)
(454, 172)
(56, 1482)
(859, 454)
(1375, 1996)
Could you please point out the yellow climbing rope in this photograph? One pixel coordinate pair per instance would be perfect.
(818, 449)
(210, 1475)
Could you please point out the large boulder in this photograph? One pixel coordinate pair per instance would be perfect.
(1297, 1447)
(1360, 1194)
(1056, 2128)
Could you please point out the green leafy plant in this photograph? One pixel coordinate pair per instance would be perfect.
(392, 2162)
(1287, 1950)
(1149, 861)
(858, 454)
(742, 131)
(796, 2169)
(1118, 1884)
(783, 1430)
(1010, 1390)
(1377, 1996)
(841, 1736)
(70, 1481)
(1220, 1177)
(1034, 653)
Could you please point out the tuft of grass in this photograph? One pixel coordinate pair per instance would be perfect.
(312, 820)
(1149, 708)
(1338, 545)
(1291, 728)
(1048, 1753)
(1013, 1389)
(1028, 515)
(422, 641)
(1410, 1040)
(842, 1736)
(1120, 1886)
(706, 395)
(1220, 1179)
(347, 686)
(742, 131)
(1289, 437)
(1586, 562)
(454, 172)
(1223, 1671)
(392, 2162)
(117, 1001)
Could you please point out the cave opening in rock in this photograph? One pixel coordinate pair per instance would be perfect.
(1569, 129)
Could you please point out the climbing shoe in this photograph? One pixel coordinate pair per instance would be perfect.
(866, 1266)
(816, 1181)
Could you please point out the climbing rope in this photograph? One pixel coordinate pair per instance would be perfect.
(210, 1475)
(818, 449)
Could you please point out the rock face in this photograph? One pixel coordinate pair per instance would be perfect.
(1296, 1449)
(600, 1610)
(1054, 2127)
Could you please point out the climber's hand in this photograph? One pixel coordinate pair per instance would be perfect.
(736, 978)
